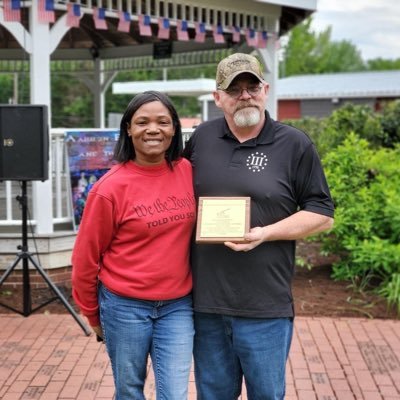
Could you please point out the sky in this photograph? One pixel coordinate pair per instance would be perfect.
(373, 26)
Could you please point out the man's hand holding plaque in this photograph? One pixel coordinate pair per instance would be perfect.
(222, 219)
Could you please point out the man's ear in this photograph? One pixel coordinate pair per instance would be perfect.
(217, 98)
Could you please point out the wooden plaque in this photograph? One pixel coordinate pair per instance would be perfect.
(222, 219)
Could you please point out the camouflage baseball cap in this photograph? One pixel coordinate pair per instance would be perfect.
(230, 67)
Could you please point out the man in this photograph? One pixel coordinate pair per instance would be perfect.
(242, 291)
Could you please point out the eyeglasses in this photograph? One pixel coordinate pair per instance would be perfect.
(236, 91)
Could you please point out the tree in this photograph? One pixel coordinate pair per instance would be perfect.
(6, 85)
(308, 52)
(380, 64)
(298, 57)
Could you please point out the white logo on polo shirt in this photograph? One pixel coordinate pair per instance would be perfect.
(256, 162)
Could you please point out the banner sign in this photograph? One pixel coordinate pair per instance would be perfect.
(90, 156)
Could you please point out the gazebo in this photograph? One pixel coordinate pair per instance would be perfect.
(107, 36)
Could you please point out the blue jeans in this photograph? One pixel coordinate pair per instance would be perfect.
(134, 329)
(227, 348)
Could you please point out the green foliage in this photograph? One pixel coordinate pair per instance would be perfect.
(7, 88)
(365, 186)
(361, 154)
(350, 118)
(380, 64)
(391, 124)
(298, 59)
(379, 129)
(340, 56)
(308, 52)
(6, 85)
(391, 291)
(311, 126)
(72, 102)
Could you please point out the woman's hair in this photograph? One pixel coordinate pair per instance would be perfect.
(124, 149)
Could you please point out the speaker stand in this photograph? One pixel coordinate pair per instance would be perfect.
(26, 257)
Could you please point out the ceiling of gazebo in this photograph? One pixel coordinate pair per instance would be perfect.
(86, 41)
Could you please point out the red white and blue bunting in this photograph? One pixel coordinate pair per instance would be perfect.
(162, 26)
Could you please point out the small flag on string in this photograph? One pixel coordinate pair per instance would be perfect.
(182, 30)
(235, 34)
(218, 34)
(262, 40)
(252, 37)
(163, 28)
(99, 17)
(124, 23)
(46, 11)
(200, 32)
(144, 25)
(73, 15)
(12, 10)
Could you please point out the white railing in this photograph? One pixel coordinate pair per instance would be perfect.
(10, 214)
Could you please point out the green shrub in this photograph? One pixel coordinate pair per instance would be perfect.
(391, 291)
(311, 126)
(365, 186)
(360, 150)
(391, 124)
(379, 129)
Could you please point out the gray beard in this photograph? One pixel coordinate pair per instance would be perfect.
(245, 117)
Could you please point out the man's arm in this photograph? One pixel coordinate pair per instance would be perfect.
(297, 226)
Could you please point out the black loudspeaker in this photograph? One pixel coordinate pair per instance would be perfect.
(162, 50)
(24, 143)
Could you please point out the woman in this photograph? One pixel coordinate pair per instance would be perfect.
(131, 276)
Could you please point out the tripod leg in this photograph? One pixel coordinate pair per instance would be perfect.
(10, 269)
(26, 299)
(27, 302)
(60, 296)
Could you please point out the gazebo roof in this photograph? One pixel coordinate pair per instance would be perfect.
(87, 42)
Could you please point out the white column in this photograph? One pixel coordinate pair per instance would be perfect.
(205, 104)
(98, 86)
(270, 61)
(99, 95)
(40, 94)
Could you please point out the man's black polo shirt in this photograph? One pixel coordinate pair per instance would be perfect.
(281, 171)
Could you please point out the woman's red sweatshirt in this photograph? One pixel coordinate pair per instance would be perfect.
(135, 235)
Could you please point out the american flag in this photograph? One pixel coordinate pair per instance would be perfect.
(46, 11)
(99, 17)
(252, 37)
(12, 10)
(181, 30)
(235, 34)
(73, 15)
(144, 25)
(262, 40)
(163, 28)
(124, 23)
(200, 32)
(218, 34)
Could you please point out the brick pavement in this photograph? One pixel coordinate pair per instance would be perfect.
(48, 357)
